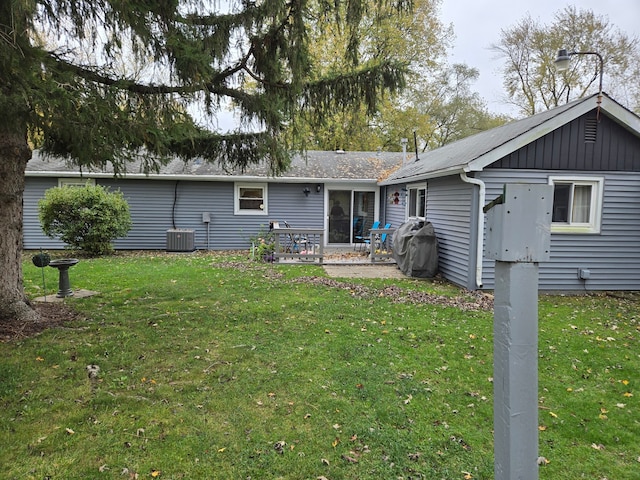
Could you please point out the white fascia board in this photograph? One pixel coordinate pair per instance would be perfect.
(625, 117)
(445, 172)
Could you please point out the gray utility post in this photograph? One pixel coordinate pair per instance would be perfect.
(518, 238)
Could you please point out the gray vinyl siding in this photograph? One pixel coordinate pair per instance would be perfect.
(612, 256)
(395, 214)
(159, 205)
(33, 238)
(449, 203)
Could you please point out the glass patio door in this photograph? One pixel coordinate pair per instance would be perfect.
(350, 211)
(339, 216)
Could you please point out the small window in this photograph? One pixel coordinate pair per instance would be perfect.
(76, 182)
(417, 202)
(577, 204)
(251, 199)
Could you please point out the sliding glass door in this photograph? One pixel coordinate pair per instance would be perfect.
(351, 212)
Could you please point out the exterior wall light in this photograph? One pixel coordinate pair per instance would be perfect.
(318, 188)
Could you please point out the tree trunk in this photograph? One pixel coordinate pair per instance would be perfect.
(14, 155)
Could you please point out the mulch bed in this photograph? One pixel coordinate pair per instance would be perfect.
(52, 314)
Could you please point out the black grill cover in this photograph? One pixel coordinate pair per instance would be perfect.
(415, 249)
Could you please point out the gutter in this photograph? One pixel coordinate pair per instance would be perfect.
(480, 217)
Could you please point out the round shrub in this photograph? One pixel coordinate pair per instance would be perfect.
(86, 218)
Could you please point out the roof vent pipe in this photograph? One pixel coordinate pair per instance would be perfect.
(403, 142)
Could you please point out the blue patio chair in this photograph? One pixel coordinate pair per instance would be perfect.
(383, 237)
(295, 243)
(365, 237)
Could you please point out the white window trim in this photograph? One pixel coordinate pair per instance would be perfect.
(414, 186)
(76, 182)
(595, 209)
(236, 199)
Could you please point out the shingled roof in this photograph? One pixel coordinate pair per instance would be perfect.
(315, 165)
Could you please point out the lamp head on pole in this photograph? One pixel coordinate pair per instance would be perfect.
(562, 64)
(562, 60)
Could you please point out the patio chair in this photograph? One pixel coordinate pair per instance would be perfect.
(365, 237)
(382, 238)
(295, 243)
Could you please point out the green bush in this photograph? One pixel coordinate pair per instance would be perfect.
(87, 218)
(263, 245)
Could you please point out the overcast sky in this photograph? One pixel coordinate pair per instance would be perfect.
(477, 25)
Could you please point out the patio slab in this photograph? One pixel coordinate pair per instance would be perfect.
(377, 270)
(80, 293)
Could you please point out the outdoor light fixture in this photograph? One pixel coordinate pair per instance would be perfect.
(306, 191)
(318, 188)
(562, 64)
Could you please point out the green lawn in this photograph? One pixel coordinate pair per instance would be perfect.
(214, 367)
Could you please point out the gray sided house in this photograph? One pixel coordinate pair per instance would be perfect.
(590, 153)
(225, 209)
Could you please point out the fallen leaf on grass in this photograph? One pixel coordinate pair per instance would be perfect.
(350, 459)
(598, 446)
(542, 461)
(132, 475)
(69, 431)
(155, 473)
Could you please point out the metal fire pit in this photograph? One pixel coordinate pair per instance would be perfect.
(63, 265)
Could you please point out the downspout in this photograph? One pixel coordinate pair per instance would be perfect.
(480, 223)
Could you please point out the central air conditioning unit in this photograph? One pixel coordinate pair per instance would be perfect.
(181, 240)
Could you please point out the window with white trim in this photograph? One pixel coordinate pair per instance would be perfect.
(577, 204)
(76, 182)
(250, 199)
(416, 202)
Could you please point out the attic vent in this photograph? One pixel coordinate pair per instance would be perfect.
(590, 129)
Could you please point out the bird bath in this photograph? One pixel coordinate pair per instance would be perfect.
(63, 265)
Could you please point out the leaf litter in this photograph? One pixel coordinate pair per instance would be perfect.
(466, 301)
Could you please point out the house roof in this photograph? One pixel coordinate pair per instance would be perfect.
(337, 166)
(474, 153)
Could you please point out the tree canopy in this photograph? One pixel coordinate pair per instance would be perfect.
(94, 110)
(255, 54)
(529, 49)
(437, 104)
